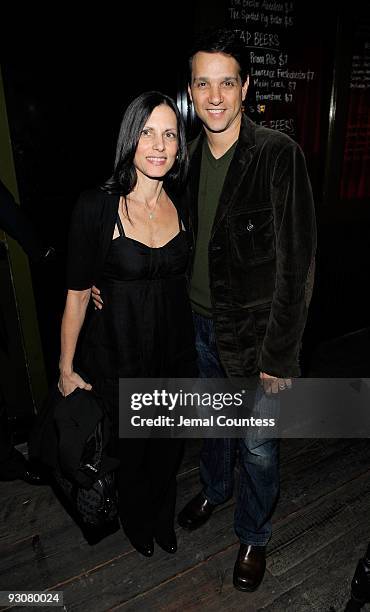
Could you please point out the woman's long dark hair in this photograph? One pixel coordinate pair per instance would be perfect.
(124, 176)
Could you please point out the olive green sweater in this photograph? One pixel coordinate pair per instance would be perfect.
(212, 176)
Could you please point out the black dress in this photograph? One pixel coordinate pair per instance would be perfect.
(144, 330)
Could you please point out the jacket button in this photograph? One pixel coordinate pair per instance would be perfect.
(250, 226)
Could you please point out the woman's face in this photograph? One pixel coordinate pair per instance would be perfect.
(158, 144)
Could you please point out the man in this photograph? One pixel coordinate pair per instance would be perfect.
(252, 217)
(253, 224)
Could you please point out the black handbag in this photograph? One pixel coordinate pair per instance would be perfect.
(72, 437)
(94, 505)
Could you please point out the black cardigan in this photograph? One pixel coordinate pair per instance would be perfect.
(90, 236)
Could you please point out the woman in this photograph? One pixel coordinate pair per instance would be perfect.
(129, 237)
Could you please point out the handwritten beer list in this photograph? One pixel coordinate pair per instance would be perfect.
(266, 29)
(358, 125)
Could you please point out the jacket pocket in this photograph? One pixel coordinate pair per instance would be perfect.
(252, 236)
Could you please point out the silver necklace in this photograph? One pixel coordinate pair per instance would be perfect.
(151, 210)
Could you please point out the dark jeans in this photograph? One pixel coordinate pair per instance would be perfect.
(258, 458)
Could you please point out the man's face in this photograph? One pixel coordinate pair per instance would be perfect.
(216, 91)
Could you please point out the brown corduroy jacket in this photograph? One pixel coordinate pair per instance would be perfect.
(261, 252)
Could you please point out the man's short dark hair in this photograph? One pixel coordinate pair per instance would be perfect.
(222, 41)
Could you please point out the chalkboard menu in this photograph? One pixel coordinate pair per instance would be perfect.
(285, 64)
(355, 182)
(290, 68)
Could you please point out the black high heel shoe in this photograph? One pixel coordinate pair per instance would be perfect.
(168, 542)
(144, 547)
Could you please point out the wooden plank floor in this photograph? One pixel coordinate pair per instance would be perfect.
(321, 529)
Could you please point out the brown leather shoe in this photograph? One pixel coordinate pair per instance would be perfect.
(196, 512)
(249, 567)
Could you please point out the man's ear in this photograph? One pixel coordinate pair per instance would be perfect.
(189, 92)
(245, 88)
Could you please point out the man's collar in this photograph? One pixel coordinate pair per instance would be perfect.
(247, 136)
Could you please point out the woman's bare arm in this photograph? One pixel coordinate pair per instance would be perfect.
(73, 318)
